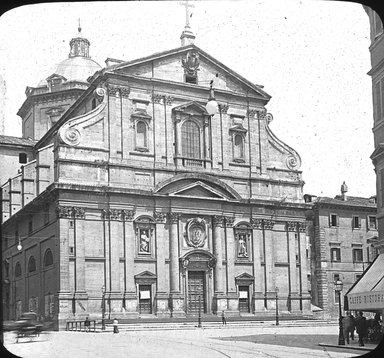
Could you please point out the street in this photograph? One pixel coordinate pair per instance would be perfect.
(262, 341)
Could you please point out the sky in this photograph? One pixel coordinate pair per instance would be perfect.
(311, 56)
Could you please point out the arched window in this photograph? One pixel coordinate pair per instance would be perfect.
(17, 269)
(190, 140)
(31, 264)
(238, 146)
(48, 258)
(141, 135)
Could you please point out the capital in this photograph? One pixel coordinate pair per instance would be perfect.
(217, 221)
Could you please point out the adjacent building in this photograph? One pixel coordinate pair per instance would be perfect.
(343, 240)
(142, 201)
(368, 293)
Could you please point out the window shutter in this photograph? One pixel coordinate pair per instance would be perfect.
(359, 222)
(337, 220)
(330, 220)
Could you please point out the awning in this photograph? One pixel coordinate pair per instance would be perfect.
(368, 292)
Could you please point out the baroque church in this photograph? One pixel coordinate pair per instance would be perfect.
(156, 188)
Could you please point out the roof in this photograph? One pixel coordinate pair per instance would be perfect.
(368, 292)
(10, 140)
(162, 54)
(350, 201)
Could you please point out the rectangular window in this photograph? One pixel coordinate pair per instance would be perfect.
(357, 276)
(333, 220)
(357, 255)
(372, 222)
(335, 254)
(356, 223)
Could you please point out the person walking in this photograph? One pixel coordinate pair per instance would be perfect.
(348, 326)
(361, 328)
(223, 318)
(115, 325)
(87, 324)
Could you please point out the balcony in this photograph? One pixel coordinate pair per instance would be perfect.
(193, 162)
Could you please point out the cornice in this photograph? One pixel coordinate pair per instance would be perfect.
(48, 97)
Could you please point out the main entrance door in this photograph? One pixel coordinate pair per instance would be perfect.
(196, 291)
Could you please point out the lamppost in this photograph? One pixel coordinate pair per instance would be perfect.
(338, 289)
(277, 307)
(199, 317)
(103, 308)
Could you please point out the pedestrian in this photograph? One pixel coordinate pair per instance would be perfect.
(348, 326)
(87, 324)
(223, 318)
(115, 325)
(361, 328)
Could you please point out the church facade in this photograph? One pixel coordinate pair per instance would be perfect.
(140, 202)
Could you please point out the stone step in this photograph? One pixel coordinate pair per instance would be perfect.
(230, 324)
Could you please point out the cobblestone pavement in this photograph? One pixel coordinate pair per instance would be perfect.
(265, 342)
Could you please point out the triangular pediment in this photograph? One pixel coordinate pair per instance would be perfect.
(145, 275)
(199, 190)
(244, 276)
(168, 66)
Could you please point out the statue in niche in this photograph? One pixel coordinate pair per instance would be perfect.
(144, 241)
(242, 246)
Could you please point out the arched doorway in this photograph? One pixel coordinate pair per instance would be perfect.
(197, 271)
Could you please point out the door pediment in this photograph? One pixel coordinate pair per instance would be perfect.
(199, 190)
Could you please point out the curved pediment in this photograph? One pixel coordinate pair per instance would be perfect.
(199, 186)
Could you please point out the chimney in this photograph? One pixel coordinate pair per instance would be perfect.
(344, 189)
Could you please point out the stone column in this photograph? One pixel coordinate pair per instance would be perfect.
(305, 295)
(130, 288)
(233, 299)
(64, 295)
(176, 298)
(81, 296)
(258, 295)
(220, 300)
(270, 289)
(161, 297)
(294, 297)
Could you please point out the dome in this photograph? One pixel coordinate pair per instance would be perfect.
(78, 66)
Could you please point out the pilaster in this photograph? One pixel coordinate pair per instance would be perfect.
(130, 296)
(233, 299)
(219, 299)
(294, 297)
(258, 298)
(176, 298)
(269, 258)
(161, 297)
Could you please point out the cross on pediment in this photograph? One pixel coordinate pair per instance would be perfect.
(187, 16)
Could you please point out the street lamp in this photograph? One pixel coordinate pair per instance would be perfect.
(199, 317)
(19, 246)
(103, 308)
(338, 289)
(277, 307)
